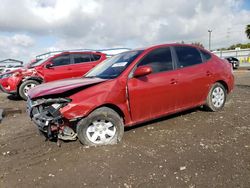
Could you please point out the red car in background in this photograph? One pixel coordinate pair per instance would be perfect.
(130, 88)
(4, 77)
(56, 67)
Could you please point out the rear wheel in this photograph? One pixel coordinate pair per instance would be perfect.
(25, 87)
(235, 66)
(102, 127)
(216, 97)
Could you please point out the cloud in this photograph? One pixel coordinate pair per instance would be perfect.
(16, 46)
(21, 40)
(100, 23)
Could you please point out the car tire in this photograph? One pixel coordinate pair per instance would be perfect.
(25, 87)
(102, 127)
(235, 66)
(216, 98)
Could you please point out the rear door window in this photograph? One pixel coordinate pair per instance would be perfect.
(187, 56)
(61, 60)
(81, 58)
(160, 60)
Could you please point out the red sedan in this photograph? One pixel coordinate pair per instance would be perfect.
(130, 88)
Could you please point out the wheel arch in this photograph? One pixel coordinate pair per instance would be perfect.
(224, 84)
(83, 124)
(113, 107)
(36, 78)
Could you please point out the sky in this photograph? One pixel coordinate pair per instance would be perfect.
(32, 27)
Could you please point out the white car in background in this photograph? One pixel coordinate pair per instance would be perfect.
(10, 68)
(10, 65)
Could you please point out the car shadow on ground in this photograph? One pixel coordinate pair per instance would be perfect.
(164, 118)
(14, 98)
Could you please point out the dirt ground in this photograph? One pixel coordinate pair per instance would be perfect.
(191, 149)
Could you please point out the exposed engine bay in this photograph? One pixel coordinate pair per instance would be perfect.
(45, 113)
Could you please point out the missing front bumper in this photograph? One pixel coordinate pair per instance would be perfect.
(45, 113)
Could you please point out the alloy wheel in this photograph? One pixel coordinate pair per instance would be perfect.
(218, 97)
(27, 88)
(101, 131)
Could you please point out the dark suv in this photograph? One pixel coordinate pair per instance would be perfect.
(56, 67)
(234, 61)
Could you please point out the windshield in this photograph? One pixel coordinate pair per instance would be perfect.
(37, 62)
(114, 66)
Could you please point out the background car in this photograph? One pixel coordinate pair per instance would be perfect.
(62, 65)
(234, 61)
(11, 68)
(7, 65)
(4, 85)
(130, 88)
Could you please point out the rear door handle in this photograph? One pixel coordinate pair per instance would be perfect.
(208, 73)
(173, 81)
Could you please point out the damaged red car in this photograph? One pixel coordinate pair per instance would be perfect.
(128, 89)
(68, 64)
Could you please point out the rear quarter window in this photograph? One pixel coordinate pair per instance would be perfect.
(205, 55)
(96, 57)
(187, 56)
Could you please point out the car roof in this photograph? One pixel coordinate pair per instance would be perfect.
(57, 53)
(168, 45)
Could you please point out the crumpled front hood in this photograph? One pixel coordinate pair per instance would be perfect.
(61, 86)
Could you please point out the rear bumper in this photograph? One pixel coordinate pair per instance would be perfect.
(231, 83)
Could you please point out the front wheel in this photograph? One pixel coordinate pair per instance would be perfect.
(102, 127)
(216, 97)
(25, 87)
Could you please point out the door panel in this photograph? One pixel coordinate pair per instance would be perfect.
(155, 94)
(152, 95)
(194, 76)
(82, 63)
(78, 70)
(61, 69)
(193, 85)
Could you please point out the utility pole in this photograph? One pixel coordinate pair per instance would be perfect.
(209, 38)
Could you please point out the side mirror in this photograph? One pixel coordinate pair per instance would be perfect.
(49, 66)
(142, 71)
